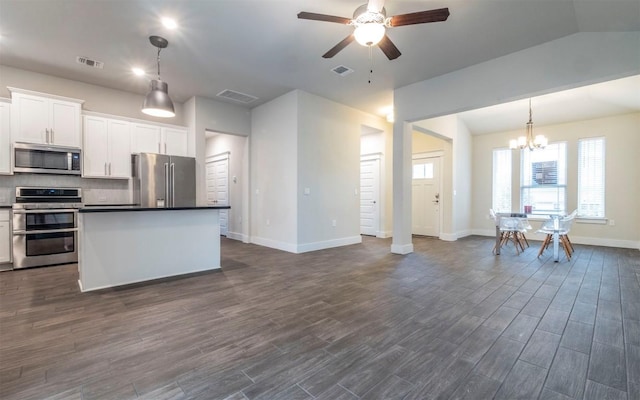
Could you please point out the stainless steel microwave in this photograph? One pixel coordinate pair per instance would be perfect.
(46, 159)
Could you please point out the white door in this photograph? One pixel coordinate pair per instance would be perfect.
(426, 196)
(218, 189)
(370, 197)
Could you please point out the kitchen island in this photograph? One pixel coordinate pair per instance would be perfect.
(127, 244)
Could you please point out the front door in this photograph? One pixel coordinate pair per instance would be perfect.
(370, 197)
(218, 189)
(426, 196)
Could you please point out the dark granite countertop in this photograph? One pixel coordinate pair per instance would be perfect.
(128, 208)
(5, 206)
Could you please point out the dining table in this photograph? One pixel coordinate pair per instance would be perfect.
(497, 221)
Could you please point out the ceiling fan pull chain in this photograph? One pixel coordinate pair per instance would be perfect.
(370, 64)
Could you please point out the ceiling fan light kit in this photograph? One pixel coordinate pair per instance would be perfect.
(371, 23)
(157, 103)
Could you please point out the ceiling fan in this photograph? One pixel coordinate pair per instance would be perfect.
(371, 21)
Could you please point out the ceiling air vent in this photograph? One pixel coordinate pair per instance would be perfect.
(237, 96)
(342, 70)
(89, 62)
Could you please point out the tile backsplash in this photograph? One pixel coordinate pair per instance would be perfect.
(94, 191)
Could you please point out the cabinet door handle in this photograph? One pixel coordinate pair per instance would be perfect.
(52, 136)
(46, 130)
(159, 150)
(105, 168)
(165, 148)
(109, 169)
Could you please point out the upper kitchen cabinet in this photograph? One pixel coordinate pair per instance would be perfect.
(5, 129)
(107, 148)
(45, 119)
(156, 139)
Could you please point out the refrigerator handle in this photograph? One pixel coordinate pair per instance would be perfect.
(172, 172)
(166, 184)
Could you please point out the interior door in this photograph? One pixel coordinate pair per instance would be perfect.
(370, 197)
(218, 189)
(426, 196)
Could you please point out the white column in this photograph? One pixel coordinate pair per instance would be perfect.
(402, 171)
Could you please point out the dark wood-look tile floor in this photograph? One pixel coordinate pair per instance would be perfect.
(450, 321)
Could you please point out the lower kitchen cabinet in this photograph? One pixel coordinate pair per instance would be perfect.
(107, 148)
(5, 237)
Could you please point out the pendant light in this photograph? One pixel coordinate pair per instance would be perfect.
(528, 141)
(157, 103)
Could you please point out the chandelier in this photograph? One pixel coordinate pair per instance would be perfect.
(528, 141)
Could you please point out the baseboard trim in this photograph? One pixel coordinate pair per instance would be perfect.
(587, 240)
(384, 234)
(402, 249)
(238, 236)
(274, 244)
(448, 237)
(328, 244)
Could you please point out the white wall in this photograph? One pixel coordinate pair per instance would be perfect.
(622, 178)
(207, 114)
(572, 61)
(273, 173)
(329, 166)
(237, 147)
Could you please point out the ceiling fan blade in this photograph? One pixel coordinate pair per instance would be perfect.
(336, 49)
(388, 48)
(420, 17)
(375, 5)
(323, 17)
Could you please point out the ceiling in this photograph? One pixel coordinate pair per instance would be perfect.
(260, 48)
(615, 97)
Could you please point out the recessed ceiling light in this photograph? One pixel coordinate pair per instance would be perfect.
(169, 23)
(138, 71)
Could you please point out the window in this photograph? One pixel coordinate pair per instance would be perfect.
(423, 171)
(501, 180)
(543, 179)
(591, 177)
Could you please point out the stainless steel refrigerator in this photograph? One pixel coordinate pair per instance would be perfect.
(161, 181)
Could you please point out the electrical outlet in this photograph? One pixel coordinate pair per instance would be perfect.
(3, 199)
(612, 222)
(102, 199)
(268, 222)
(334, 222)
(307, 191)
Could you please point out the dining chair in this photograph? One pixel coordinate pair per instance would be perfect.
(564, 224)
(512, 229)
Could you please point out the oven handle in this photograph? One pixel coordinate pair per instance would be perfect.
(46, 211)
(45, 231)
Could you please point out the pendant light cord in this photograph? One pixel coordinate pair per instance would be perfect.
(159, 64)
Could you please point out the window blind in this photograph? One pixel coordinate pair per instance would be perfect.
(501, 196)
(591, 171)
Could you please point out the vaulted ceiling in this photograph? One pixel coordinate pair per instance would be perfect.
(259, 47)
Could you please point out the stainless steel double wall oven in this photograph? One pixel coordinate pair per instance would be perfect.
(45, 226)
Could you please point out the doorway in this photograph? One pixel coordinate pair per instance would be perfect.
(370, 196)
(426, 195)
(217, 176)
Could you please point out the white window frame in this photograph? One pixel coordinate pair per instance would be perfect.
(594, 173)
(501, 180)
(561, 186)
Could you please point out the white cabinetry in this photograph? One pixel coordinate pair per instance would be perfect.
(107, 148)
(155, 139)
(5, 141)
(36, 118)
(5, 237)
